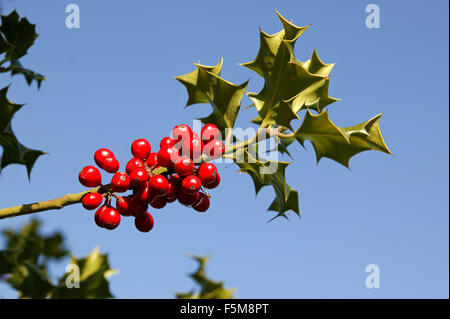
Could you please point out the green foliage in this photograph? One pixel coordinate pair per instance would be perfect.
(207, 288)
(17, 35)
(204, 85)
(290, 87)
(24, 264)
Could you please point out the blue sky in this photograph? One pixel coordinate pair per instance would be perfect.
(111, 81)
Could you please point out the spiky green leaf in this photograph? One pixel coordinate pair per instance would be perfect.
(288, 82)
(208, 288)
(269, 173)
(13, 151)
(204, 85)
(340, 143)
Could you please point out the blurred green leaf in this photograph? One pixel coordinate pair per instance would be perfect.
(208, 288)
(94, 271)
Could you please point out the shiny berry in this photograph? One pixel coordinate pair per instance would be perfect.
(144, 223)
(135, 207)
(167, 142)
(213, 184)
(109, 218)
(214, 149)
(111, 165)
(172, 191)
(175, 179)
(209, 132)
(90, 176)
(139, 176)
(202, 204)
(140, 148)
(120, 182)
(97, 219)
(101, 155)
(181, 132)
(159, 202)
(168, 156)
(142, 193)
(187, 199)
(122, 206)
(133, 164)
(191, 184)
(207, 173)
(91, 201)
(192, 147)
(159, 185)
(184, 166)
(152, 160)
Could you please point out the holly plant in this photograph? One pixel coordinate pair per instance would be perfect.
(182, 169)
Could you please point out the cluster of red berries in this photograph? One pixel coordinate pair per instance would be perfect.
(180, 170)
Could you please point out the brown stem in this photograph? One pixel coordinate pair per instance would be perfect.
(56, 203)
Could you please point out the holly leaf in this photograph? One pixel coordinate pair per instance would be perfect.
(269, 173)
(208, 288)
(94, 270)
(30, 281)
(19, 33)
(30, 76)
(288, 82)
(13, 151)
(340, 144)
(204, 85)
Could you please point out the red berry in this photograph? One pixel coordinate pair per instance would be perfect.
(159, 202)
(214, 149)
(202, 204)
(171, 199)
(133, 164)
(122, 206)
(184, 166)
(152, 160)
(139, 176)
(90, 176)
(191, 184)
(181, 132)
(142, 193)
(159, 185)
(101, 155)
(207, 173)
(97, 219)
(168, 156)
(192, 147)
(120, 182)
(167, 142)
(151, 197)
(140, 148)
(144, 223)
(175, 179)
(172, 191)
(111, 165)
(209, 132)
(135, 207)
(187, 199)
(214, 184)
(109, 217)
(91, 201)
